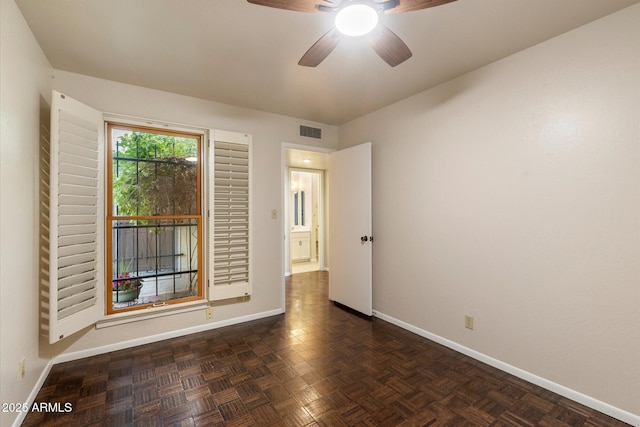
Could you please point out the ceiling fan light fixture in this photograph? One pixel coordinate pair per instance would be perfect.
(356, 20)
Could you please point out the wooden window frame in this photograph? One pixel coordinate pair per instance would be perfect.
(110, 217)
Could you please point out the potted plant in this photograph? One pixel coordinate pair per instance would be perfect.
(126, 287)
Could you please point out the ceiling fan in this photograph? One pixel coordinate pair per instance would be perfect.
(355, 18)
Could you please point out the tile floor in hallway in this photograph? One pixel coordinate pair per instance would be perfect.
(304, 267)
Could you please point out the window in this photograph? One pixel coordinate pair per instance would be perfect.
(298, 208)
(154, 227)
(132, 213)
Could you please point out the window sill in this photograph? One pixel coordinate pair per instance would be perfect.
(150, 313)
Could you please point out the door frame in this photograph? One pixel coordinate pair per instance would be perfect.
(285, 257)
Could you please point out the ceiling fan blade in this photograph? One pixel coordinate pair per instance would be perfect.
(295, 5)
(321, 49)
(411, 5)
(389, 46)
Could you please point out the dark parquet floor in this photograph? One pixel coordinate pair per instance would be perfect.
(316, 365)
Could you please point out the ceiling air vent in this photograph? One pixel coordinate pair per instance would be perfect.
(310, 132)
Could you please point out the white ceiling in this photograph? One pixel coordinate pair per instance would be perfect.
(242, 54)
(306, 159)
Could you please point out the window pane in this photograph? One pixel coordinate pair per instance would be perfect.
(153, 174)
(154, 261)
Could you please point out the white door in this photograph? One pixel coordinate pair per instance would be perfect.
(350, 228)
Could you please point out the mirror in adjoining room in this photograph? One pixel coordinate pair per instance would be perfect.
(304, 220)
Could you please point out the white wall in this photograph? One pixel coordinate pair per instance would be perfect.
(25, 77)
(268, 132)
(522, 180)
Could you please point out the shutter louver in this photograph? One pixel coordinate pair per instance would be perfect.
(230, 219)
(76, 224)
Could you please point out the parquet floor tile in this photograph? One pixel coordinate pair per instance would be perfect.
(317, 365)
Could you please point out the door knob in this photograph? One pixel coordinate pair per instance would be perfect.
(364, 238)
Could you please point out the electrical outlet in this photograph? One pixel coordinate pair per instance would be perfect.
(209, 312)
(468, 321)
(21, 368)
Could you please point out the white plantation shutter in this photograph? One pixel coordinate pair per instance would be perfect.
(76, 231)
(229, 215)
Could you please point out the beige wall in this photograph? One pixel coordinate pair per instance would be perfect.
(24, 79)
(522, 182)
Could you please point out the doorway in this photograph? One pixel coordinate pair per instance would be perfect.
(305, 210)
(305, 207)
(351, 190)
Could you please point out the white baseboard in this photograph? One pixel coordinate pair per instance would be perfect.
(583, 399)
